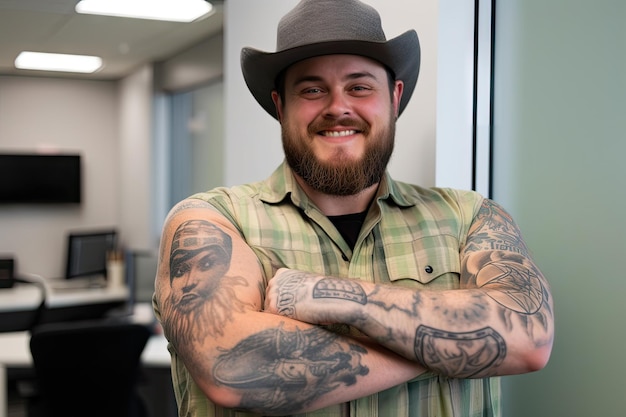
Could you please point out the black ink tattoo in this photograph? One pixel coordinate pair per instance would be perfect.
(282, 371)
(342, 289)
(475, 311)
(497, 260)
(286, 303)
(462, 355)
(515, 286)
(498, 232)
(203, 298)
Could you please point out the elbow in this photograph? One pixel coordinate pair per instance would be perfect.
(535, 359)
(539, 358)
(221, 397)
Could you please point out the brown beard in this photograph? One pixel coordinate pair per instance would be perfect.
(341, 177)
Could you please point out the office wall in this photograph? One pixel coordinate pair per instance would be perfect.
(67, 116)
(253, 147)
(560, 102)
(136, 158)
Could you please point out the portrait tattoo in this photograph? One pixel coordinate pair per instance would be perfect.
(203, 298)
(463, 355)
(280, 370)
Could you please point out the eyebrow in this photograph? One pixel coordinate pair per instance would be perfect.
(350, 76)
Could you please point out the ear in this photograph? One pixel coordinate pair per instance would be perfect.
(278, 103)
(397, 95)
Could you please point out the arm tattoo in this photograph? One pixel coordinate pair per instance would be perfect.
(203, 298)
(286, 302)
(190, 203)
(342, 289)
(464, 355)
(498, 261)
(497, 232)
(515, 286)
(282, 370)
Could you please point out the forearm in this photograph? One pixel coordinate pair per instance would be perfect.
(458, 333)
(275, 366)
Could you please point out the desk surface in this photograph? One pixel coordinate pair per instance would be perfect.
(15, 351)
(24, 297)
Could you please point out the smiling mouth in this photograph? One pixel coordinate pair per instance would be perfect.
(338, 134)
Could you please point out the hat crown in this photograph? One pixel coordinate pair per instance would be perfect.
(315, 21)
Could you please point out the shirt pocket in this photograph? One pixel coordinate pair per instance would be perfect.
(424, 259)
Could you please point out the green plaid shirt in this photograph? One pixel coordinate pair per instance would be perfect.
(411, 237)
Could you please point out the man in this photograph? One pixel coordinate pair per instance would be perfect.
(330, 289)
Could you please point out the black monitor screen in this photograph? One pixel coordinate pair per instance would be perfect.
(87, 252)
(35, 178)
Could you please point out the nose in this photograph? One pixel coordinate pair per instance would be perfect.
(338, 104)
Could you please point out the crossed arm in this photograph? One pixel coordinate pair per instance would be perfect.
(499, 322)
(262, 349)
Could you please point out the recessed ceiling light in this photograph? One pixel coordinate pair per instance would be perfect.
(44, 61)
(171, 10)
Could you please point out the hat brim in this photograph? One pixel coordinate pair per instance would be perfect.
(400, 54)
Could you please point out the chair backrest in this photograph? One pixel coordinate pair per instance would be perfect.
(88, 368)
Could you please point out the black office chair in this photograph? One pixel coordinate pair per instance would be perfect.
(87, 369)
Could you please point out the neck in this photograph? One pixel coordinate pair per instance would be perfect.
(336, 205)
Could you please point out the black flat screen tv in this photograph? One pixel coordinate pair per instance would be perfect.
(40, 178)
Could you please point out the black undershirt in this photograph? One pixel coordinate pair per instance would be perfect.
(349, 225)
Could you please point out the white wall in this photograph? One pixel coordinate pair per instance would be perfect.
(455, 94)
(253, 146)
(66, 116)
(135, 183)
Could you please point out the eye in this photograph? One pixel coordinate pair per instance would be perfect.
(180, 269)
(311, 92)
(206, 262)
(360, 90)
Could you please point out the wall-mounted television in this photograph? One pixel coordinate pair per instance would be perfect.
(40, 178)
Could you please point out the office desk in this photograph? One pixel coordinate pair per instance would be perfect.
(23, 297)
(18, 304)
(15, 352)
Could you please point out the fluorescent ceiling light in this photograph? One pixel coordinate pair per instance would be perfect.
(172, 10)
(57, 62)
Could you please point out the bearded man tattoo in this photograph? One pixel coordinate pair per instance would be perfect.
(203, 297)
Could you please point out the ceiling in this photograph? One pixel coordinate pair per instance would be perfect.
(123, 44)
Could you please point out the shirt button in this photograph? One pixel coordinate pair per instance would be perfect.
(428, 269)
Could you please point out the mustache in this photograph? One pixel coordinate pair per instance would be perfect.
(350, 122)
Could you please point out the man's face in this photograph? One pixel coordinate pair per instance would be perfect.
(338, 122)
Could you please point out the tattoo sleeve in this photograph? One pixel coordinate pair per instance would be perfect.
(497, 260)
(281, 370)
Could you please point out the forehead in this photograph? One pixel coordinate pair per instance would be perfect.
(336, 65)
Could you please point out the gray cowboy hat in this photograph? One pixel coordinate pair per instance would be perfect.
(326, 27)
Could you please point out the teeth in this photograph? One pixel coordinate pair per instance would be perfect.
(335, 134)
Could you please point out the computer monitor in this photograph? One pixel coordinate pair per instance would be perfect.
(87, 252)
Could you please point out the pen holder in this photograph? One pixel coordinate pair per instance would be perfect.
(115, 271)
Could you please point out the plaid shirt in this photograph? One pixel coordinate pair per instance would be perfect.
(411, 237)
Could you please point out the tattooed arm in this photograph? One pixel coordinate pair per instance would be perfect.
(209, 291)
(499, 322)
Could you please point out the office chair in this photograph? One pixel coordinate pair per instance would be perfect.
(87, 369)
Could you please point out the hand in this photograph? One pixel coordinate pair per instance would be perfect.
(285, 291)
(314, 298)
